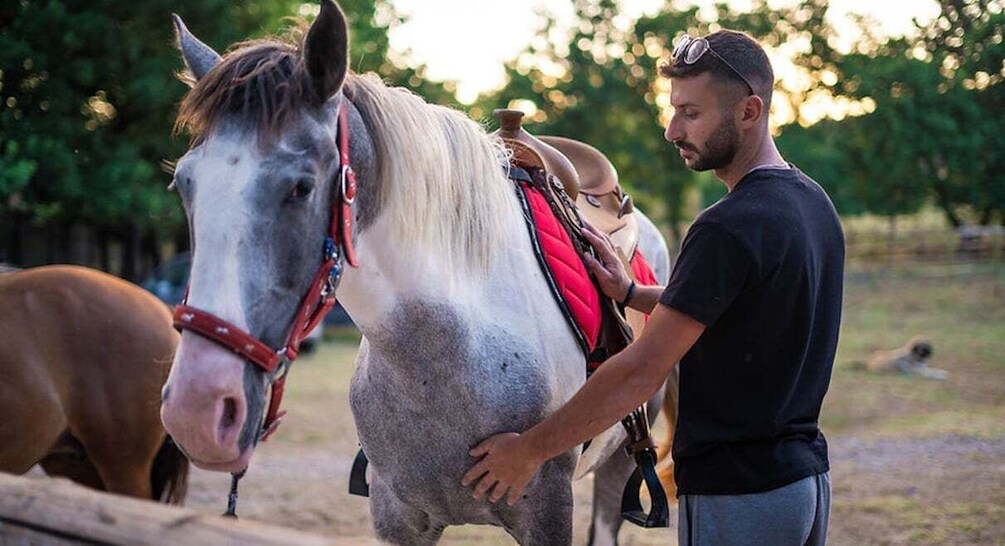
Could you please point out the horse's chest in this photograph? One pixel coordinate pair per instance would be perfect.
(484, 383)
(432, 385)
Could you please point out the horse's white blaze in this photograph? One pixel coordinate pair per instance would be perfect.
(220, 217)
(205, 376)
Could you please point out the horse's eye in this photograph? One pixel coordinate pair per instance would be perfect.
(302, 189)
(182, 184)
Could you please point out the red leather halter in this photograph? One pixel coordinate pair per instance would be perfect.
(316, 303)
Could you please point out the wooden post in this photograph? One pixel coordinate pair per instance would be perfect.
(56, 511)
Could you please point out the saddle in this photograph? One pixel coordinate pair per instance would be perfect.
(588, 178)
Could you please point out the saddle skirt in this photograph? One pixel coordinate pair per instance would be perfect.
(560, 259)
(585, 173)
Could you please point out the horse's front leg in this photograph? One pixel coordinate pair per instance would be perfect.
(544, 516)
(398, 523)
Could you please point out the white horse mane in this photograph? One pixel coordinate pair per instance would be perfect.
(442, 178)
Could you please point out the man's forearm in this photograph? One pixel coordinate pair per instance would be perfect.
(622, 383)
(610, 394)
(645, 298)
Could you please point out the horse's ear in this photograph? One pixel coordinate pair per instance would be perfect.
(199, 57)
(326, 51)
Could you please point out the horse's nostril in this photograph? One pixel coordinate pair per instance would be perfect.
(165, 393)
(229, 413)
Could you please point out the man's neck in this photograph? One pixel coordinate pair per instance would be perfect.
(762, 153)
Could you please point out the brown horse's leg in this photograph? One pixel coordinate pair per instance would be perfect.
(67, 459)
(669, 412)
(122, 458)
(30, 425)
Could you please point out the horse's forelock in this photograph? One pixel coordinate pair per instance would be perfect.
(262, 83)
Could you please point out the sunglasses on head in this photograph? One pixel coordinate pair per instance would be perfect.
(690, 50)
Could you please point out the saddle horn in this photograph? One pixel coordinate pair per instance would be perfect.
(552, 160)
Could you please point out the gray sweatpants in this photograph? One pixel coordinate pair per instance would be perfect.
(795, 514)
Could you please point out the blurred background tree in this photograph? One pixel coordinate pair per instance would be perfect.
(89, 98)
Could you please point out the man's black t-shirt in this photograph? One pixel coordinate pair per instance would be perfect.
(762, 270)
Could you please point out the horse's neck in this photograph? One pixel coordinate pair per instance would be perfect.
(510, 289)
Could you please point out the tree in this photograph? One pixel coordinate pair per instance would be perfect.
(597, 88)
(967, 45)
(938, 112)
(88, 101)
(821, 149)
(87, 116)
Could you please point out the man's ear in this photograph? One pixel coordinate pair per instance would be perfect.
(752, 111)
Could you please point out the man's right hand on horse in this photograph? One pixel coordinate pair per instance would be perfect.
(607, 266)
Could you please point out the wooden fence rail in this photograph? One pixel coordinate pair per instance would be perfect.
(56, 511)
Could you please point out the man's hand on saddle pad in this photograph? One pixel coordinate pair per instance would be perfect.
(507, 465)
(612, 278)
(608, 270)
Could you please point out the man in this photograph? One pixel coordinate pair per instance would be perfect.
(751, 311)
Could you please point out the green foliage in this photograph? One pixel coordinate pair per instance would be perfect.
(967, 43)
(90, 93)
(609, 93)
(604, 98)
(88, 96)
(820, 150)
(934, 131)
(369, 48)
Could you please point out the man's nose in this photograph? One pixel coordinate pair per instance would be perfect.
(672, 133)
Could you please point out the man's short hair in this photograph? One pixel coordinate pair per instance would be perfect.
(742, 52)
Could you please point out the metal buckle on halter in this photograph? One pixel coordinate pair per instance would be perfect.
(332, 282)
(344, 177)
(283, 367)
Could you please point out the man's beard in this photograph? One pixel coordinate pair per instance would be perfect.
(720, 148)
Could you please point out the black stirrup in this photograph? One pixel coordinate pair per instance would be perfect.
(642, 449)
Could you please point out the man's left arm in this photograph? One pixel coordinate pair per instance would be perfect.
(620, 385)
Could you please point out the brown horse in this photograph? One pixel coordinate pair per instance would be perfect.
(83, 356)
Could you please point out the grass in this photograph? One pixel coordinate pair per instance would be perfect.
(961, 311)
(912, 521)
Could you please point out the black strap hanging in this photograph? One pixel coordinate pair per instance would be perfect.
(357, 476)
(232, 496)
(643, 450)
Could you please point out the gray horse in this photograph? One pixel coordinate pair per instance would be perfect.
(462, 337)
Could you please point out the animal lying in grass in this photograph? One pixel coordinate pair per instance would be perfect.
(911, 359)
